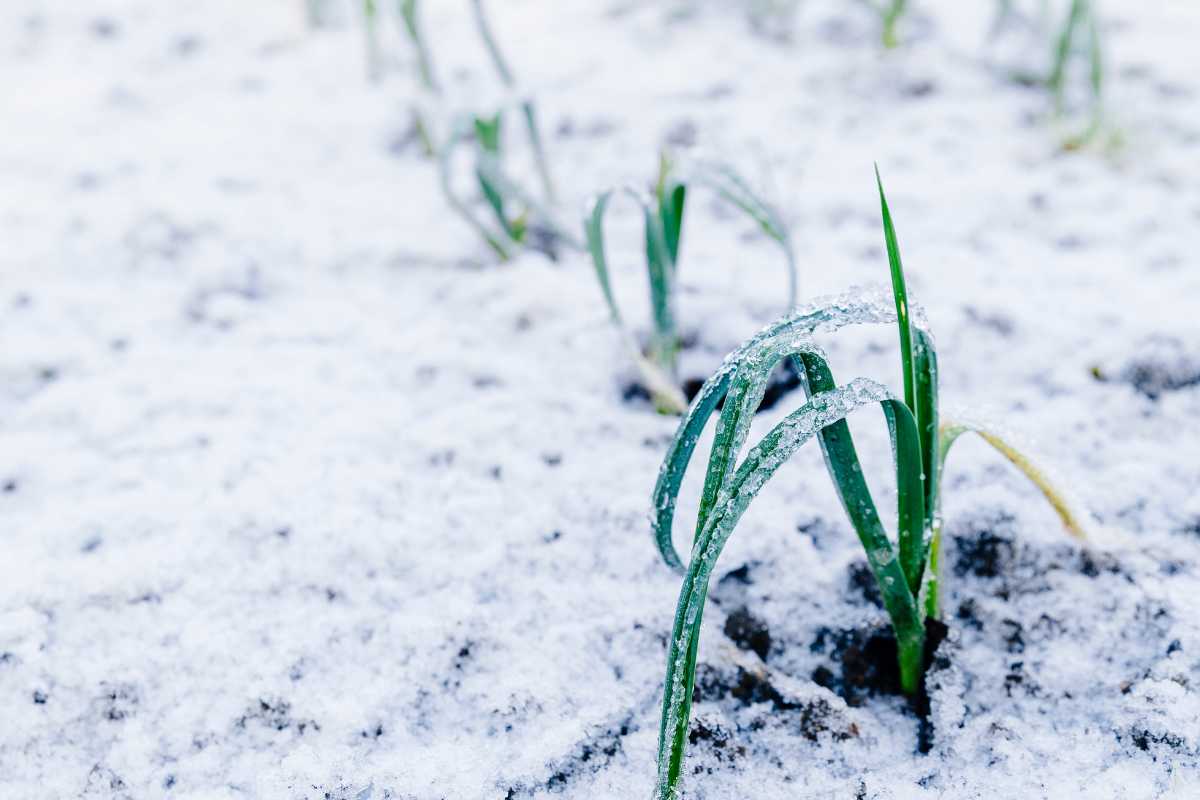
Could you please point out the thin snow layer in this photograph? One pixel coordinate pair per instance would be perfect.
(303, 497)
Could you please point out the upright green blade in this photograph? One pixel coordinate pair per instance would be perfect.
(1063, 47)
(408, 13)
(671, 205)
(891, 15)
(489, 41)
(829, 314)
(910, 493)
(919, 368)
(540, 159)
(1096, 59)
(487, 132)
(901, 294)
(487, 165)
(660, 270)
(745, 394)
(494, 199)
(926, 366)
(499, 241)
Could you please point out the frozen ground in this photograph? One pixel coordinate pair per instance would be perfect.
(303, 498)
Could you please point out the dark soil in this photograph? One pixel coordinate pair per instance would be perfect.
(982, 551)
(748, 632)
(1161, 365)
(591, 754)
(740, 688)
(867, 658)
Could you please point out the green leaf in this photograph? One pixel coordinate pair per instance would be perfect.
(499, 241)
(892, 15)
(910, 495)
(540, 160)
(841, 460)
(901, 295)
(660, 270)
(659, 381)
(670, 212)
(494, 199)
(756, 469)
(1062, 50)
(949, 433)
(919, 369)
(1096, 61)
(408, 14)
(863, 307)
(487, 132)
(371, 28)
(528, 111)
(732, 188)
(926, 412)
(593, 232)
(675, 464)
(489, 41)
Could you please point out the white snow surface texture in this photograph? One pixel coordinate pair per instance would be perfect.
(305, 496)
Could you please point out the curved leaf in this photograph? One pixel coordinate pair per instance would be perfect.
(408, 14)
(951, 430)
(758, 467)
(655, 374)
(731, 187)
(498, 241)
(865, 306)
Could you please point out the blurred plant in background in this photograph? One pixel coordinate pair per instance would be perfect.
(662, 211)
(1074, 72)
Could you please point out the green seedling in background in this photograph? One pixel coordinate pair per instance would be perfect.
(662, 212)
(1079, 37)
(528, 110)
(425, 73)
(498, 191)
(890, 14)
(1074, 41)
(371, 28)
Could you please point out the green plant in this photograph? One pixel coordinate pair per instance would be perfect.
(662, 212)
(1076, 40)
(412, 26)
(500, 193)
(890, 13)
(1079, 35)
(425, 72)
(528, 110)
(906, 569)
(501, 241)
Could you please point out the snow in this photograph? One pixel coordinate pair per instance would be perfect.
(304, 497)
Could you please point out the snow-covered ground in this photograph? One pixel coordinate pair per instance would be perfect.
(304, 497)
